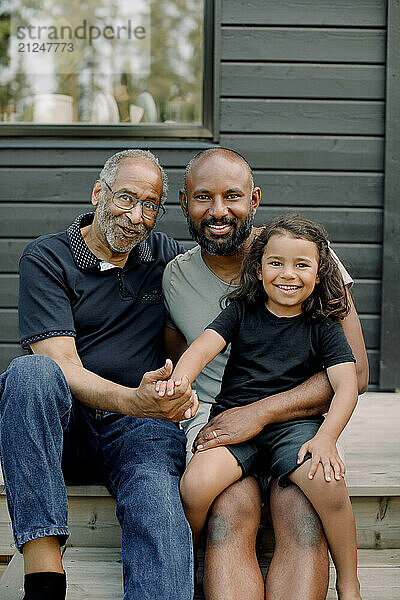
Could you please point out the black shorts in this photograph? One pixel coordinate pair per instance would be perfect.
(273, 452)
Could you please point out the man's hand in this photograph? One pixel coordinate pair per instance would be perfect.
(233, 426)
(323, 449)
(172, 407)
(169, 387)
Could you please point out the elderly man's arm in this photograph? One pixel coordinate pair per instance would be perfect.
(96, 392)
(310, 398)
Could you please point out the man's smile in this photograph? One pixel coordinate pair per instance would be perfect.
(219, 229)
(127, 232)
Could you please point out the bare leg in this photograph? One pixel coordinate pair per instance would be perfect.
(206, 476)
(231, 570)
(42, 555)
(299, 569)
(332, 503)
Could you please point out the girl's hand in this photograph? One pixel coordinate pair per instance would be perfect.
(323, 449)
(166, 387)
(170, 387)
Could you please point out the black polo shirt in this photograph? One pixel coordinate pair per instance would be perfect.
(115, 314)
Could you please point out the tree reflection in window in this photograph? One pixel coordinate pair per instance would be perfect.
(145, 65)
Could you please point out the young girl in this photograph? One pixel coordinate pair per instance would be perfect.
(283, 327)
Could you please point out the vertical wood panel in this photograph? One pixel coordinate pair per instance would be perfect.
(390, 347)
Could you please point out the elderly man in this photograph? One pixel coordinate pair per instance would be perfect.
(83, 408)
(219, 202)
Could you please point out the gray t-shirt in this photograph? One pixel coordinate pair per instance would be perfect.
(192, 293)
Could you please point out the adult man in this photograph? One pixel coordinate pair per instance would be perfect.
(220, 201)
(91, 311)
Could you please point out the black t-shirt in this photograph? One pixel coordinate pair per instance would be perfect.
(272, 354)
(116, 314)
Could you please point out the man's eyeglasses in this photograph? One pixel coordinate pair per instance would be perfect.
(126, 201)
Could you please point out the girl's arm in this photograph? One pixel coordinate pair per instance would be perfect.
(198, 355)
(322, 446)
(192, 362)
(343, 379)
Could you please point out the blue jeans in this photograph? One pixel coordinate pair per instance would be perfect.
(48, 439)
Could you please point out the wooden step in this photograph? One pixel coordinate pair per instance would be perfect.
(96, 574)
(372, 449)
(93, 523)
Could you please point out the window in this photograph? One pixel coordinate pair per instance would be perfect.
(88, 67)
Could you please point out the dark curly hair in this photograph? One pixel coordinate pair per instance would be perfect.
(329, 297)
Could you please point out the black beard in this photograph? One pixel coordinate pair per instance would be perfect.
(225, 247)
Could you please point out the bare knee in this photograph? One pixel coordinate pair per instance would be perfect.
(235, 514)
(193, 488)
(294, 519)
(307, 530)
(332, 496)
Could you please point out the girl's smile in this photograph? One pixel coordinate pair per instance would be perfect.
(289, 289)
(289, 272)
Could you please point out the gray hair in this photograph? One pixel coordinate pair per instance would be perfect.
(110, 170)
(226, 152)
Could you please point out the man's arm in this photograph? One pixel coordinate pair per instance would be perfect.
(96, 392)
(352, 329)
(175, 343)
(312, 397)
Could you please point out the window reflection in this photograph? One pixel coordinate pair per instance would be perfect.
(101, 61)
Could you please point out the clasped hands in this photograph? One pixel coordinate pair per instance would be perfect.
(170, 389)
(181, 404)
(240, 424)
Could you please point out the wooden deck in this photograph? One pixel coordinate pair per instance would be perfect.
(371, 445)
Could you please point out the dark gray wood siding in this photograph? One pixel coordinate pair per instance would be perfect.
(390, 347)
(302, 97)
